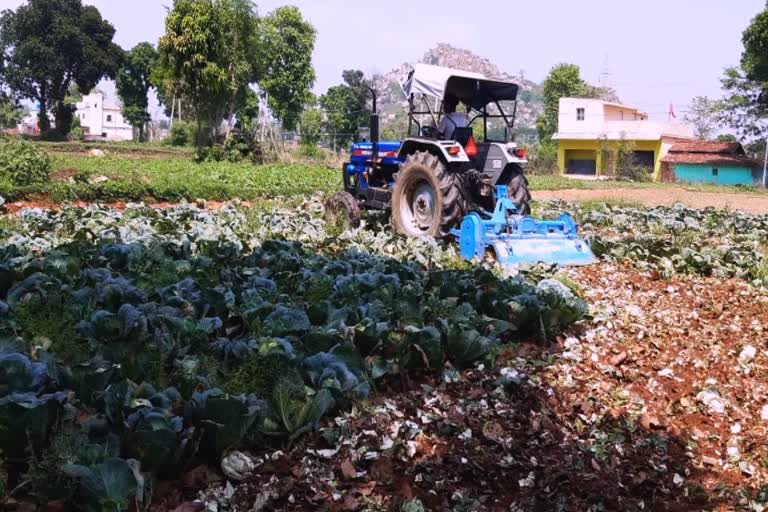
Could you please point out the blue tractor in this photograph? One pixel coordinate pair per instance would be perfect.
(430, 183)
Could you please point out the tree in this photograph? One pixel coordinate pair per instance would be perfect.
(49, 44)
(247, 113)
(11, 112)
(754, 59)
(288, 76)
(563, 81)
(209, 55)
(395, 129)
(311, 126)
(703, 116)
(743, 108)
(346, 106)
(133, 83)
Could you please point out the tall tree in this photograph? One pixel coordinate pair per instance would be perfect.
(744, 107)
(345, 106)
(754, 60)
(49, 44)
(311, 126)
(564, 81)
(133, 83)
(288, 76)
(703, 115)
(209, 55)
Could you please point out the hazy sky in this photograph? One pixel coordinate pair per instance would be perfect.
(656, 51)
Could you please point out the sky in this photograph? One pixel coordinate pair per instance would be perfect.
(653, 52)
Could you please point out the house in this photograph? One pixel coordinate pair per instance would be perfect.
(30, 123)
(723, 163)
(101, 119)
(587, 129)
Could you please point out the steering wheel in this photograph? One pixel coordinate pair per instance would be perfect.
(429, 132)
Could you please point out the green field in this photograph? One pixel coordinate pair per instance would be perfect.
(134, 172)
(172, 179)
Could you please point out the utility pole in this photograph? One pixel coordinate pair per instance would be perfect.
(765, 165)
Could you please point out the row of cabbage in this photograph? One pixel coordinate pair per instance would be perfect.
(138, 344)
(678, 240)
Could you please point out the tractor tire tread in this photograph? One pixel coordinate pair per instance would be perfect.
(452, 198)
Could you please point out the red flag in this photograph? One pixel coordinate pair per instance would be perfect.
(671, 111)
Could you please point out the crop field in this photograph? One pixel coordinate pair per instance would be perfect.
(121, 178)
(157, 354)
(152, 173)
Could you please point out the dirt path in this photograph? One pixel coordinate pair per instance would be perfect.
(751, 203)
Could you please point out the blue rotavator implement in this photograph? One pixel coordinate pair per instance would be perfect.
(440, 181)
(510, 238)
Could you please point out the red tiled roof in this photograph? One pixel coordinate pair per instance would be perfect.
(708, 153)
(708, 147)
(709, 159)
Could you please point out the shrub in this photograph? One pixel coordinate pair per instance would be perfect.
(213, 153)
(76, 133)
(52, 135)
(182, 134)
(543, 159)
(309, 151)
(236, 148)
(22, 163)
(619, 160)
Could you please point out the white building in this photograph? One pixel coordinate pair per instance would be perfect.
(101, 119)
(29, 123)
(584, 126)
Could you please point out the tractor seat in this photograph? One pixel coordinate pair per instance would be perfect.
(462, 135)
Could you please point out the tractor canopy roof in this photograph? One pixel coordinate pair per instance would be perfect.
(472, 89)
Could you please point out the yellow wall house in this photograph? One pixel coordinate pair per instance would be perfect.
(588, 131)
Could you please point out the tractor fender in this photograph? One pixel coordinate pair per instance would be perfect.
(439, 148)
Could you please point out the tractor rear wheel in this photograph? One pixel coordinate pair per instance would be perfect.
(517, 188)
(342, 211)
(427, 199)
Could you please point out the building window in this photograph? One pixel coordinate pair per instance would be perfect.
(579, 114)
(109, 118)
(715, 171)
(621, 115)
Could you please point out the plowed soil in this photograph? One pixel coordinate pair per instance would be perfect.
(618, 414)
(667, 196)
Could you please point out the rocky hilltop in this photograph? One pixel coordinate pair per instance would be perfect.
(393, 103)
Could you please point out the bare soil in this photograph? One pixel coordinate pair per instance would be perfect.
(615, 415)
(750, 203)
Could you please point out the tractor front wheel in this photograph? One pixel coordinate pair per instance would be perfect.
(427, 199)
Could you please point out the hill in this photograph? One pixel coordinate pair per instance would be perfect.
(393, 104)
